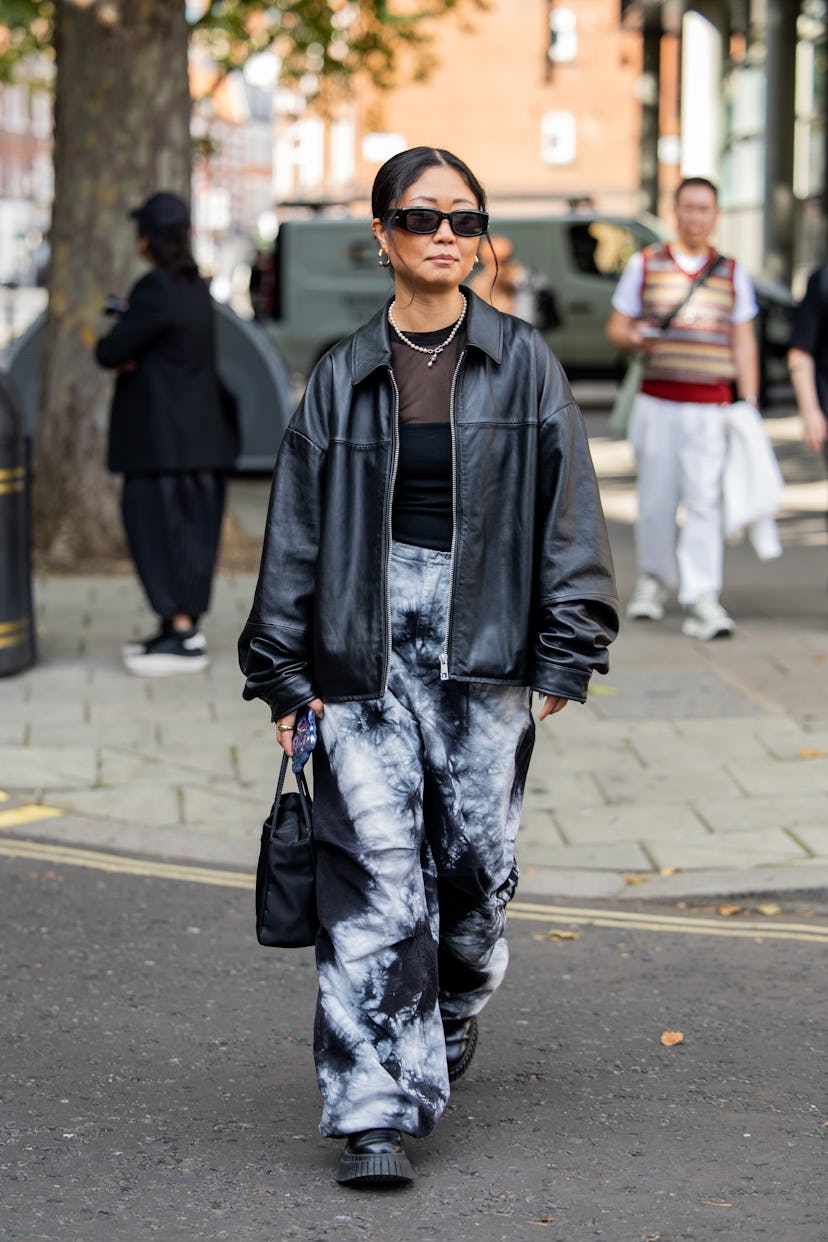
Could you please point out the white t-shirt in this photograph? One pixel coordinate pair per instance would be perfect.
(627, 296)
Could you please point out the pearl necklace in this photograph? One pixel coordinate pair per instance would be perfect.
(434, 352)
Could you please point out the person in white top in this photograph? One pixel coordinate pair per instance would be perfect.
(678, 427)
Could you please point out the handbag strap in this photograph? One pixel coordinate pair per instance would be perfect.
(304, 792)
(697, 283)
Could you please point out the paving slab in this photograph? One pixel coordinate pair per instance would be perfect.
(680, 782)
(127, 803)
(727, 849)
(585, 856)
(48, 767)
(814, 837)
(799, 776)
(756, 813)
(633, 821)
(120, 732)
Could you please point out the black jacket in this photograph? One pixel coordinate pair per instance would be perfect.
(532, 597)
(166, 413)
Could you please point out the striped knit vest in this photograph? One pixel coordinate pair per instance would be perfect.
(697, 347)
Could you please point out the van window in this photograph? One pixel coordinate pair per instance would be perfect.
(602, 247)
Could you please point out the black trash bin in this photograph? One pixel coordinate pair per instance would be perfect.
(17, 636)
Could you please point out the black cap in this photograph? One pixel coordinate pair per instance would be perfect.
(161, 211)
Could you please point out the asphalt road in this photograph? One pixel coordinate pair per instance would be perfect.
(157, 1077)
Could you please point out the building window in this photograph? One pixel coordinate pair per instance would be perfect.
(342, 151)
(563, 35)
(558, 137)
(41, 114)
(16, 111)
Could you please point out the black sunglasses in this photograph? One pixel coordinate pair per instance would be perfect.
(463, 223)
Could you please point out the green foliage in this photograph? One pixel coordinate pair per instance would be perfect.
(319, 42)
(25, 32)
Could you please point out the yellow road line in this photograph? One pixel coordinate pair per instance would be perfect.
(37, 851)
(701, 927)
(29, 814)
(72, 857)
(678, 920)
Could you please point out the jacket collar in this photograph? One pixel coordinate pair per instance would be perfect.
(371, 344)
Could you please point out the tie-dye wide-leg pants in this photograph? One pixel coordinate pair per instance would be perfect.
(417, 799)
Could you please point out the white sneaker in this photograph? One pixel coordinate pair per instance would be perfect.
(707, 619)
(648, 599)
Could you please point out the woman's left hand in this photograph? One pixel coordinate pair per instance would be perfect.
(551, 703)
(285, 726)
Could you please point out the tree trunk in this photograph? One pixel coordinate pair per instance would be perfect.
(122, 131)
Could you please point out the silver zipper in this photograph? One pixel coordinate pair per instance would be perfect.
(394, 461)
(444, 668)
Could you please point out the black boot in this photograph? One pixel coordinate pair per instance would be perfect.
(374, 1158)
(461, 1041)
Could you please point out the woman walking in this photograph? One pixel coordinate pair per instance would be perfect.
(435, 551)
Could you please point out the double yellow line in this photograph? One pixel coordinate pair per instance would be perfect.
(687, 925)
(619, 920)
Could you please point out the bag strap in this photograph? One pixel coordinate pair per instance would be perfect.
(698, 281)
(304, 792)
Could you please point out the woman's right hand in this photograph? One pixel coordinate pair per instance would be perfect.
(286, 724)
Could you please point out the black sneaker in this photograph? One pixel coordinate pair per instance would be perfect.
(169, 652)
(136, 646)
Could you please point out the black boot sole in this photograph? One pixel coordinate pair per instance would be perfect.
(382, 1170)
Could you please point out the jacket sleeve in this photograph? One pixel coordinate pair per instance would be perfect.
(146, 318)
(576, 598)
(275, 644)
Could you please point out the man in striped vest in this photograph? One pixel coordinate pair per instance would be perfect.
(677, 428)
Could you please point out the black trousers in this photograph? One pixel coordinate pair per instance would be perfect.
(173, 526)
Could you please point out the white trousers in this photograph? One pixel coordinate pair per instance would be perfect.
(679, 453)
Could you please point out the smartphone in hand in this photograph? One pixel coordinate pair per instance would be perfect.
(304, 738)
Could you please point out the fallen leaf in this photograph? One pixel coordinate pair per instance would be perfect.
(668, 871)
(805, 753)
(769, 908)
(713, 1203)
(728, 911)
(600, 691)
(555, 933)
(671, 1038)
(635, 879)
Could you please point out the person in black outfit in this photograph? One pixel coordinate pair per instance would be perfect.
(435, 553)
(169, 437)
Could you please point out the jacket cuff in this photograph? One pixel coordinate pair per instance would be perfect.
(562, 683)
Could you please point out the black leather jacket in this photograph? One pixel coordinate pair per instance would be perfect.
(532, 592)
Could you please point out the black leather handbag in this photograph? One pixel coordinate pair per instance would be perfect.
(286, 916)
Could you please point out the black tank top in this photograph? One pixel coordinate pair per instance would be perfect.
(422, 507)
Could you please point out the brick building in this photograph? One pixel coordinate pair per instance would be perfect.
(538, 96)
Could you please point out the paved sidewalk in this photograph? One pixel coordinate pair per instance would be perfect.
(695, 769)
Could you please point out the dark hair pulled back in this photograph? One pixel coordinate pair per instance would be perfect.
(402, 170)
(171, 249)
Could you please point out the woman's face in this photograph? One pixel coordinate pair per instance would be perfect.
(431, 261)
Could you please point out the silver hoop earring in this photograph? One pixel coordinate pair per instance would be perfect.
(383, 254)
